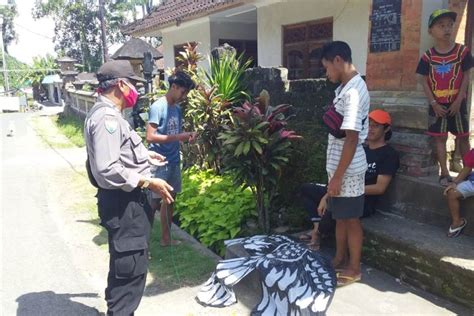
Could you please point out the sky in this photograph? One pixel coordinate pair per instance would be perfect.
(34, 37)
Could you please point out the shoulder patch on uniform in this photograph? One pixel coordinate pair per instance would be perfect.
(111, 125)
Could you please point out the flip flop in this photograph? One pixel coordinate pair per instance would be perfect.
(314, 246)
(343, 280)
(445, 180)
(455, 232)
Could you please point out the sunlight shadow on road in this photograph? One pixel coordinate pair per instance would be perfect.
(50, 303)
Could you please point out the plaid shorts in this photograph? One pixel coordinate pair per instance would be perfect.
(458, 125)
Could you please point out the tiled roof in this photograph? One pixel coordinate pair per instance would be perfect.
(172, 12)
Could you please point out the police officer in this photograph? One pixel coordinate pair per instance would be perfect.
(119, 164)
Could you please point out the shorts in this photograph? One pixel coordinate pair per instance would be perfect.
(466, 188)
(458, 125)
(346, 207)
(352, 185)
(171, 173)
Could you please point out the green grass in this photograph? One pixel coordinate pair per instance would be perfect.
(71, 127)
(178, 266)
(47, 130)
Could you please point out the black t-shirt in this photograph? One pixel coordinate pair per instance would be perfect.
(380, 161)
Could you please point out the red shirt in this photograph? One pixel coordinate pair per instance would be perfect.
(468, 159)
(445, 71)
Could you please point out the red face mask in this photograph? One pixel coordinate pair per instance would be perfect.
(131, 97)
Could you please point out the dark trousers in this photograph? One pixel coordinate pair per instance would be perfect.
(310, 196)
(126, 217)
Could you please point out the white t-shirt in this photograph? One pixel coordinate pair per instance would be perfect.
(353, 102)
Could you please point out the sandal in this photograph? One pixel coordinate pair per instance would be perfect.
(343, 280)
(455, 232)
(314, 245)
(445, 180)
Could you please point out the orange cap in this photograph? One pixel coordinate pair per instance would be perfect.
(381, 117)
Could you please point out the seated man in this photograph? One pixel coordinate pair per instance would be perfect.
(382, 164)
(462, 187)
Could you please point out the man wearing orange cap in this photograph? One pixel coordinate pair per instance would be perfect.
(382, 164)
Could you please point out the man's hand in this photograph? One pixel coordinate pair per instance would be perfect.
(187, 136)
(454, 107)
(439, 110)
(156, 159)
(450, 186)
(334, 186)
(323, 205)
(162, 188)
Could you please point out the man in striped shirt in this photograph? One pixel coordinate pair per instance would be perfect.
(346, 162)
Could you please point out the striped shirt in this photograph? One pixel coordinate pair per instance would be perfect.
(353, 102)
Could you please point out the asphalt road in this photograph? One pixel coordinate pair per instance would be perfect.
(39, 273)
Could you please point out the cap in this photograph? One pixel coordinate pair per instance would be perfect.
(380, 117)
(117, 69)
(437, 14)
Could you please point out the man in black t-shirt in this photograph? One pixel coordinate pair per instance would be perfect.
(382, 165)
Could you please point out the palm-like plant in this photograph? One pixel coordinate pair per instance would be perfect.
(227, 74)
(41, 67)
(256, 149)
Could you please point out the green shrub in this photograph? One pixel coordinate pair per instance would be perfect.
(211, 208)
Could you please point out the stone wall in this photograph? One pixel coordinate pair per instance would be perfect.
(79, 102)
(309, 97)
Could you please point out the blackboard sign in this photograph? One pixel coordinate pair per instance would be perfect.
(386, 26)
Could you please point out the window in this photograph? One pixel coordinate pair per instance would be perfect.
(302, 44)
(246, 47)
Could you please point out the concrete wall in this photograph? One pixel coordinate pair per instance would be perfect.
(234, 30)
(198, 30)
(350, 24)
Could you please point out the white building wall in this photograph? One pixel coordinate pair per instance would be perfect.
(193, 31)
(232, 30)
(350, 24)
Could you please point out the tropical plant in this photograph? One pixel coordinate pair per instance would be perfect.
(211, 208)
(209, 106)
(227, 74)
(35, 73)
(256, 149)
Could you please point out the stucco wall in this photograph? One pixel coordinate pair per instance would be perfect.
(197, 31)
(235, 31)
(350, 24)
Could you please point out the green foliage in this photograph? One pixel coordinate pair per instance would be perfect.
(8, 12)
(15, 78)
(72, 128)
(35, 73)
(209, 106)
(227, 74)
(77, 26)
(211, 208)
(256, 149)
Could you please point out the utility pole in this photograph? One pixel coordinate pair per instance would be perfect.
(6, 84)
(103, 36)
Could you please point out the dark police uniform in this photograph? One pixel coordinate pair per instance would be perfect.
(118, 160)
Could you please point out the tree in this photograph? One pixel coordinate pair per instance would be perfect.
(8, 13)
(40, 67)
(77, 26)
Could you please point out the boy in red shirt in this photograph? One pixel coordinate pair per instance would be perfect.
(444, 70)
(462, 187)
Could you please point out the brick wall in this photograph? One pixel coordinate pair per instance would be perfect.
(396, 70)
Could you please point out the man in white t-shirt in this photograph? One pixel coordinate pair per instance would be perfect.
(346, 162)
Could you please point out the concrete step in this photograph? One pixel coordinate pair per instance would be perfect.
(422, 200)
(421, 255)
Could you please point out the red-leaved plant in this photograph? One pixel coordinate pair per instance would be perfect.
(256, 148)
